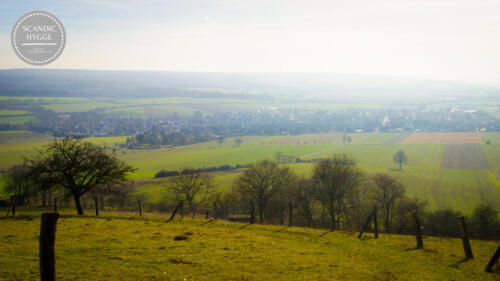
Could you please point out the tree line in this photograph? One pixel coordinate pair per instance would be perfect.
(173, 173)
(338, 195)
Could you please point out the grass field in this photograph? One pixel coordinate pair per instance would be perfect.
(122, 246)
(446, 175)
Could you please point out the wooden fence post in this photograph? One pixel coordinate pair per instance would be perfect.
(215, 210)
(252, 213)
(418, 231)
(375, 222)
(55, 205)
(96, 207)
(465, 238)
(47, 242)
(207, 213)
(175, 210)
(365, 226)
(493, 260)
(182, 210)
(10, 205)
(49, 200)
(140, 207)
(290, 213)
(14, 206)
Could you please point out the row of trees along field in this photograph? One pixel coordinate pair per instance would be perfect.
(338, 195)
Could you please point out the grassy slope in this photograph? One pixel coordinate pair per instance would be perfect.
(125, 247)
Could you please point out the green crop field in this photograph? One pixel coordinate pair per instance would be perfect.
(210, 154)
(123, 246)
(44, 99)
(14, 120)
(425, 177)
(12, 112)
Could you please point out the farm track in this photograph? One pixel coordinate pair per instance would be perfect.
(397, 139)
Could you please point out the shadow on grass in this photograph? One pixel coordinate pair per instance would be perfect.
(209, 221)
(366, 237)
(413, 249)
(282, 229)
(325, 233)
(395, 169)
(458, 263)
(20, 217)
(245, 225)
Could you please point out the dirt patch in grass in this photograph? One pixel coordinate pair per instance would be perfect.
(179, 261)
(446, 138)
(180, 238)
(467, 156)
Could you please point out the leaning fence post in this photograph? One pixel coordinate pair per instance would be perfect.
(215, 210)
(47, 242)
(55, 205)
(375, 222)
(182, 210)
(465, 238)
(493, 260)
(252, 213)
(418, 233)
(14, 206)
(365, 226)
(10, 205)
(140, 207)
(175, 210)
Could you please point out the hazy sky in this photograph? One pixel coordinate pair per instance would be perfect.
(441, 39)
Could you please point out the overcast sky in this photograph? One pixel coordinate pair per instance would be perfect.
(440, 39)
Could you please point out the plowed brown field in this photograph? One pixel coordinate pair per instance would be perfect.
(445, 138)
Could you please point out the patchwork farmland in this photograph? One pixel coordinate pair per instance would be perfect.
(446, 171)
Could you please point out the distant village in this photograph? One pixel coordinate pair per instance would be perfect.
(179, 129)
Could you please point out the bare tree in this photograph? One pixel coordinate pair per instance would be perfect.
(302, 194)
(261, 182)
(221, 140)
(190, 186)
(389, 191)
(120, 191)
(400, 158)
(238, 141)
(332, 179)
(79, 166)
(17, 182)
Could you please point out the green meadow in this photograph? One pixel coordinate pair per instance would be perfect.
(123, 246)
(425, 176)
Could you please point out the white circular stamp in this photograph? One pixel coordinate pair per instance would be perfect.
(38, 38)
